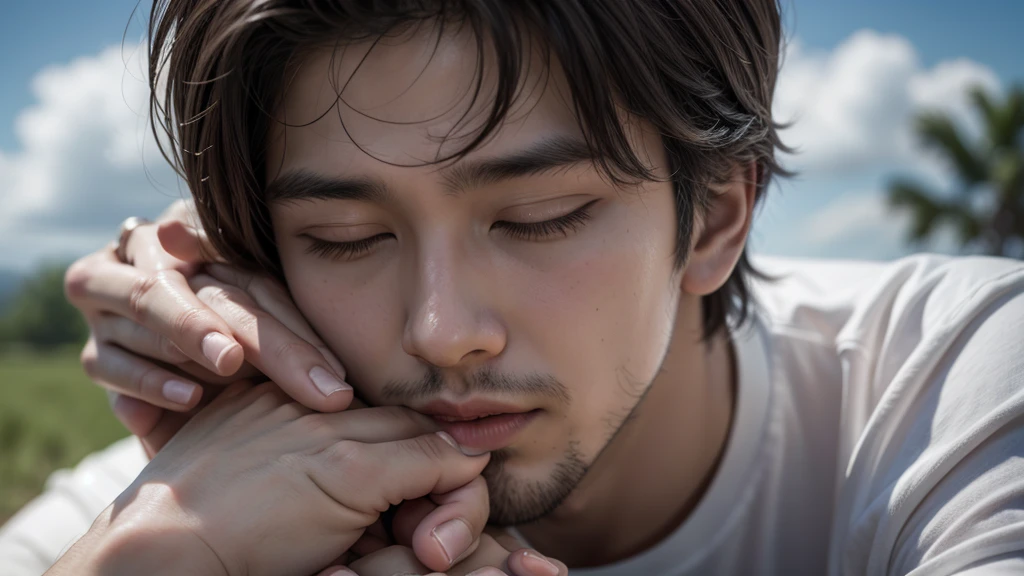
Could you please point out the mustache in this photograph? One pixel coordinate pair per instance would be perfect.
(484, 380)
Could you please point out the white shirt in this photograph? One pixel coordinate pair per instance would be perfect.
(879, 429)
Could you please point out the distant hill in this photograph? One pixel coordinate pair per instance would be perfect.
(10, 280)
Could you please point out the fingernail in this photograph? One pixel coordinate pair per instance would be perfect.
(538, 564)
(179, 392)
(451, 442)
(448, 438)
(215, 345)
(455, 537)
(326, 382)
(343, 572)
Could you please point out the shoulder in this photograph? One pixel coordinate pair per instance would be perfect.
(934, 364)
(858, 303)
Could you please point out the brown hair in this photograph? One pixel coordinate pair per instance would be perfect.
(702, 72)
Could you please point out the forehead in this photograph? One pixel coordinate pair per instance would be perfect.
(406, 100)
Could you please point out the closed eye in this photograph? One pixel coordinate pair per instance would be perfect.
(559, 227)
(344, 250)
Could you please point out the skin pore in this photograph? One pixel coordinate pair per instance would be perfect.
(518, 273)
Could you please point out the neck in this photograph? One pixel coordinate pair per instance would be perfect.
(650, 477)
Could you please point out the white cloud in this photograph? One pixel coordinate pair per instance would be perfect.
(86, 160)
(852, 108)
(863, 225)
(849, 214)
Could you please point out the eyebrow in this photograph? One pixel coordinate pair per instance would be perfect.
(546, 156)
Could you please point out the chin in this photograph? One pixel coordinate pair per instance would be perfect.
(519, 497)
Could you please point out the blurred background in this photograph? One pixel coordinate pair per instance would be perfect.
(907, 118)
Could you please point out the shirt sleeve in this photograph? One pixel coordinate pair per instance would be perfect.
(937, 479)
(34, 538)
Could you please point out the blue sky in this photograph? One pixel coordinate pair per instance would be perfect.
(917, 49)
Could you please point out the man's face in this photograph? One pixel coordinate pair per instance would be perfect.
(505, 277)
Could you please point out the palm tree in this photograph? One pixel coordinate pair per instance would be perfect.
(992, 165)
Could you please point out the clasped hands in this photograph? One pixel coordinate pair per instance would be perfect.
(272, 478)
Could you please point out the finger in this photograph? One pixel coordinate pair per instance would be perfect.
(293, 363)
(145, 252)
(389, 562)
(451, 531)
(489, 558)
(336, 571)
(368, 544)
(408, 516)
(377, 529)
(83, 270)
(168, 425)
(164, 303)
(272, 297)
(128, 374)
(136, 338)
(505, 538)
(373, 425)
(138, 417)
(485, 571)
(368, 478)
(527, 562)
(200, 373)
(186, 243)
(171, 422)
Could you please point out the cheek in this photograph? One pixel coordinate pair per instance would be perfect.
(355, 319)
(607, 318)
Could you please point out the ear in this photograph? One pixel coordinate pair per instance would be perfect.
(718, 238)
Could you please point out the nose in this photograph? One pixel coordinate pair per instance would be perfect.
(450, 321)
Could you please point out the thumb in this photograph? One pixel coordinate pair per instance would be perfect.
(445, 528)
(191, 245)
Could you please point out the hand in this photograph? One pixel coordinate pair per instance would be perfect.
(160, 329)
(499, 553)
(259, 484)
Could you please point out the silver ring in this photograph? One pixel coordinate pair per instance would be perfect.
(127, 227)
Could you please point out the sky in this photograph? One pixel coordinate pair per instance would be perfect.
(75, 158)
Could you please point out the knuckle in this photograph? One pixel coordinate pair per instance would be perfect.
(313, 424)
(266, 397)
(76, 281)
(190, 321)
(228, 294)
(169, 349)
(290, 410)
(352, 459)
(88, 359)
(429, 445)
(244, 323)
(144, 377)
(142, 286)
(290, 348)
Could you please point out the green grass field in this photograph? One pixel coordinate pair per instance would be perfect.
(51, 416)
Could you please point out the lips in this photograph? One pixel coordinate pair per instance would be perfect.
(469, 410)
(458, 418)
(480, 425)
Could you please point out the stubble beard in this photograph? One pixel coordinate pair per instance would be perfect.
(516, 501)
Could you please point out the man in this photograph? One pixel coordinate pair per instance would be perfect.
(533, 215)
